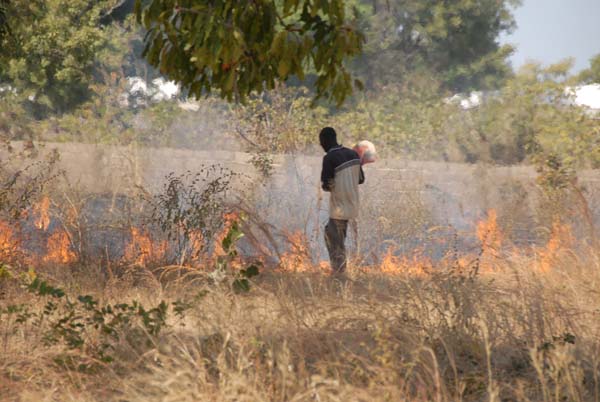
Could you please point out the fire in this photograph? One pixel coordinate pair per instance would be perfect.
(489, 234)
(43, 216)
(9, 243)
(59, 249)
(196, 245)
(142, 249)
(561, 238)
(416, 264)
(298, 258)
(58, 246)
(228, 220)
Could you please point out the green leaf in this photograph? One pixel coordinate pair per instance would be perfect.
(250, 271)
(359, 84)
(278, 43)
(284, 68)
(137, 10)
(229, 81)
(233, 235)
(42, 288)
(241, 285)
(275, 46)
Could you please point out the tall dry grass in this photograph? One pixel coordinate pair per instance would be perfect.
(512, 333)
(507, 322)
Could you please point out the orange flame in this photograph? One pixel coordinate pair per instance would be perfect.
(489, 234)
(142, 249)
(228, 220)
(561, 238)
(491, 238)
(59, 249)
(196, 242)
(9, 243)
(41, 209)
(416, 264)
(298, 258)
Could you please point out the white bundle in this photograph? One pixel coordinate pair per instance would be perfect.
(366, 151)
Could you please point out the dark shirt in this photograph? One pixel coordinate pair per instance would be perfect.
(334, 158)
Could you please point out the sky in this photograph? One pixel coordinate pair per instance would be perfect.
(552, 30)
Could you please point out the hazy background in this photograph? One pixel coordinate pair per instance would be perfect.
(551, 30)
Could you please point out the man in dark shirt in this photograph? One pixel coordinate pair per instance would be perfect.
(342, 173)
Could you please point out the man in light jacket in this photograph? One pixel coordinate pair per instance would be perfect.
(342, 173)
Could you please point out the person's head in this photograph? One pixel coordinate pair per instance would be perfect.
(328, 138)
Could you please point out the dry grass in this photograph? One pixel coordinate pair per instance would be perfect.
(511, 334)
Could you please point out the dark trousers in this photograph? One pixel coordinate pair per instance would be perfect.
(335, 237)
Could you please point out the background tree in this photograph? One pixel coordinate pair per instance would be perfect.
(4, 29)
(529, 118)
(241, 47)
(71, 61)
(456, 41)
(591, 74)
(52, 51)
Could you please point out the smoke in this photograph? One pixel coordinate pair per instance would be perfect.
(405, 205)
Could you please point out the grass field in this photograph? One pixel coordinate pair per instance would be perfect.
(526, 327)
(120, 298)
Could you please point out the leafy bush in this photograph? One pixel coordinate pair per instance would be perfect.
(190, 207)
(85, 324)
(99, 330)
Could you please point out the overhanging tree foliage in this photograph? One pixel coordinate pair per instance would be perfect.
(240, 47)
(4, 28)
(456, 41)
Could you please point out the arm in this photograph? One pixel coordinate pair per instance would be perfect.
(361, 176)
(327, 175)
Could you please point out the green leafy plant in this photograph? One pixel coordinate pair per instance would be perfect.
(5, 272)
(239, 48)
(4, 27)
(180, 306)
(263, 163)
(84, 323)
(191, 204)
(241, 277)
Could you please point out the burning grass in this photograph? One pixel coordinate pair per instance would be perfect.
(524, 334)
(142, 249)
(173, 315)
(496, 323)
(9, 242)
